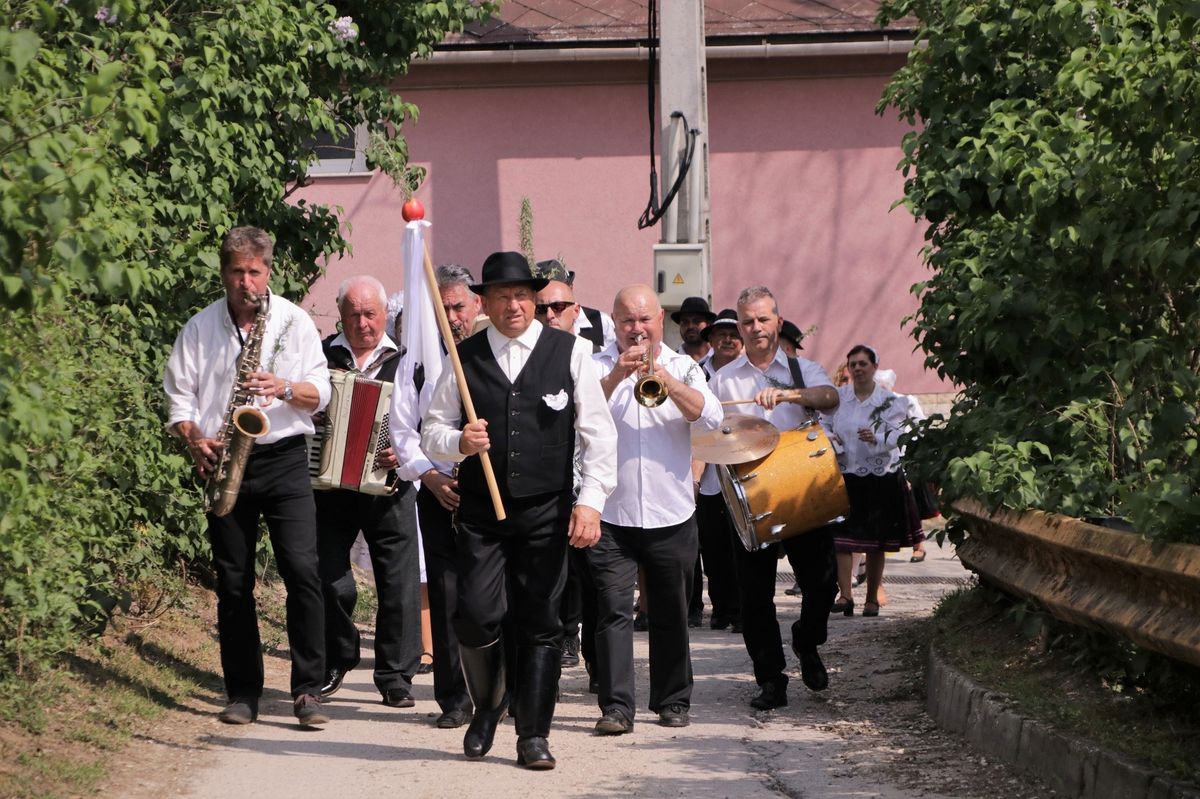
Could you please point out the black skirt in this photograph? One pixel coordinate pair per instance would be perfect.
(879, 519)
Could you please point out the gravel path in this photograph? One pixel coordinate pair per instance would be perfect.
(866, 736)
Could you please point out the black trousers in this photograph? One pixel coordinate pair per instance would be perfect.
(668, 556)
(579, 603)
(389, 526)
(275, 487)
(522, 560)
(817, 576)
(717, 542)
(441, 579)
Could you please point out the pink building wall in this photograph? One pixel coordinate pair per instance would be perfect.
(802, 177)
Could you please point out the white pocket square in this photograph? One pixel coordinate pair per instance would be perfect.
(556, 401)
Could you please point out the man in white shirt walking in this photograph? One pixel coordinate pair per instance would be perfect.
(649, 520)
(290, 384)
(785, 391)
(537, 396)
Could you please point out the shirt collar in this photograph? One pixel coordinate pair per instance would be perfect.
(385, 345)
(528, 339)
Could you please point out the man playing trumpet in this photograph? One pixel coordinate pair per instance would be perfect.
(649, 520)
(289, 384)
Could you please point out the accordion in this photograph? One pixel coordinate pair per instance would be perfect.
(344, 450)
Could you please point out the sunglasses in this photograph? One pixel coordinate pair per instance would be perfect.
(558, 307)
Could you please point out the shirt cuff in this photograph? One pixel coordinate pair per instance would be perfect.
(591, 497)
(414, 469)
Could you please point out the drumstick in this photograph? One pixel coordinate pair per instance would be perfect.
(444, 326)
(737, 402)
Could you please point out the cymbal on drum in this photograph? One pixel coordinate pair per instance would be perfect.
(740, 438)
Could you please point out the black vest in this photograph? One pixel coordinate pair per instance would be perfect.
(595, 333)
(532, 445)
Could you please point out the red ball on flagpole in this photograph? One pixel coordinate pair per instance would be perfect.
(412, 209)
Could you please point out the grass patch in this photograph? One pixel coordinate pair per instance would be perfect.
(1129, 702)
(60, 730)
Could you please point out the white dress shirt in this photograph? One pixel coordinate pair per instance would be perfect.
(885, 414)
(199, 376)
(654, 446)
(403, 424)
(740, 379)
(441, 429)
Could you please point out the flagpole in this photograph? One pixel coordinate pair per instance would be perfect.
(444, 326)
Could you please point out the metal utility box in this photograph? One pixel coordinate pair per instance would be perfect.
(680, 271)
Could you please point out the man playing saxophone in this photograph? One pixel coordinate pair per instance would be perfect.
(285, 376)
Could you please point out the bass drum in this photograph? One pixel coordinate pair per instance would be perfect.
(796, 488)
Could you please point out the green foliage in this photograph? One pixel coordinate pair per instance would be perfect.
(1054, 167)
(132, 136)
(525, 229)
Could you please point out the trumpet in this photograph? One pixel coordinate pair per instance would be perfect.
(649, 391)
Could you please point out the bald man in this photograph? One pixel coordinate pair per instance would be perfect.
(649, 520)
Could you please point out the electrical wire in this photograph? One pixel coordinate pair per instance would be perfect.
(653, 211)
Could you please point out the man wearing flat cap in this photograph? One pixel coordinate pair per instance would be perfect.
(538, 396)
(692, 317)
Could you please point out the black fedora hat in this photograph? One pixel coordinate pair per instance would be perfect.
(694, 305)
(726, 318)
(507, 267)
(792, 334)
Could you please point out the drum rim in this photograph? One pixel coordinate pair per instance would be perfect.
(731, 483)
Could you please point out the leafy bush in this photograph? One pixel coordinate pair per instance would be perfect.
(1055, 166)
(132, 136)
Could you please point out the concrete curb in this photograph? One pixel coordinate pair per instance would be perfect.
(1073, 766)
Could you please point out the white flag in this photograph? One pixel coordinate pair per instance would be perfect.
(419, 338)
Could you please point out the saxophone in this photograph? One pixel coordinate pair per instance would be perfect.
(243, 424)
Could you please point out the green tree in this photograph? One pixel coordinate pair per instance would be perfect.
(132, 136)
(1054, 166)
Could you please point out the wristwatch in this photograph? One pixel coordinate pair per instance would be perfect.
(286, 396)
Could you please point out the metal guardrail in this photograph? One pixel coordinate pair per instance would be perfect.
(1091, 576)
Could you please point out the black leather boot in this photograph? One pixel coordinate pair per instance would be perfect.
(483, 668)
(537, 692)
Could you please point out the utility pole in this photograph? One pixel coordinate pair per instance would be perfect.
(681, 258)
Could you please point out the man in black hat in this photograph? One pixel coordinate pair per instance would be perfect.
(692, 317)
(538, 396)
(590, 323)
(712, 517)
(790, 338)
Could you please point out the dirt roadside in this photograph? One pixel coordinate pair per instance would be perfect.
(866, 736)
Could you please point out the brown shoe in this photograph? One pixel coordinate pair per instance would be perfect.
(240, 710)
(307, 708)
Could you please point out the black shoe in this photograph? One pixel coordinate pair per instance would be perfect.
(812, 670)
(718, 622)
(333, 680)
(673, 716)
(696, 619)
(534, 753)
(844, 607)
(453, 719)
(240, 710)
(570, 652)
(614, 723)
(772, 695)
(640, 623)
(425, 668)
(307, 708)
(736, 626)
(398, 697)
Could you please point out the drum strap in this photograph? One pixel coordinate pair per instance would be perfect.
(797, 376)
